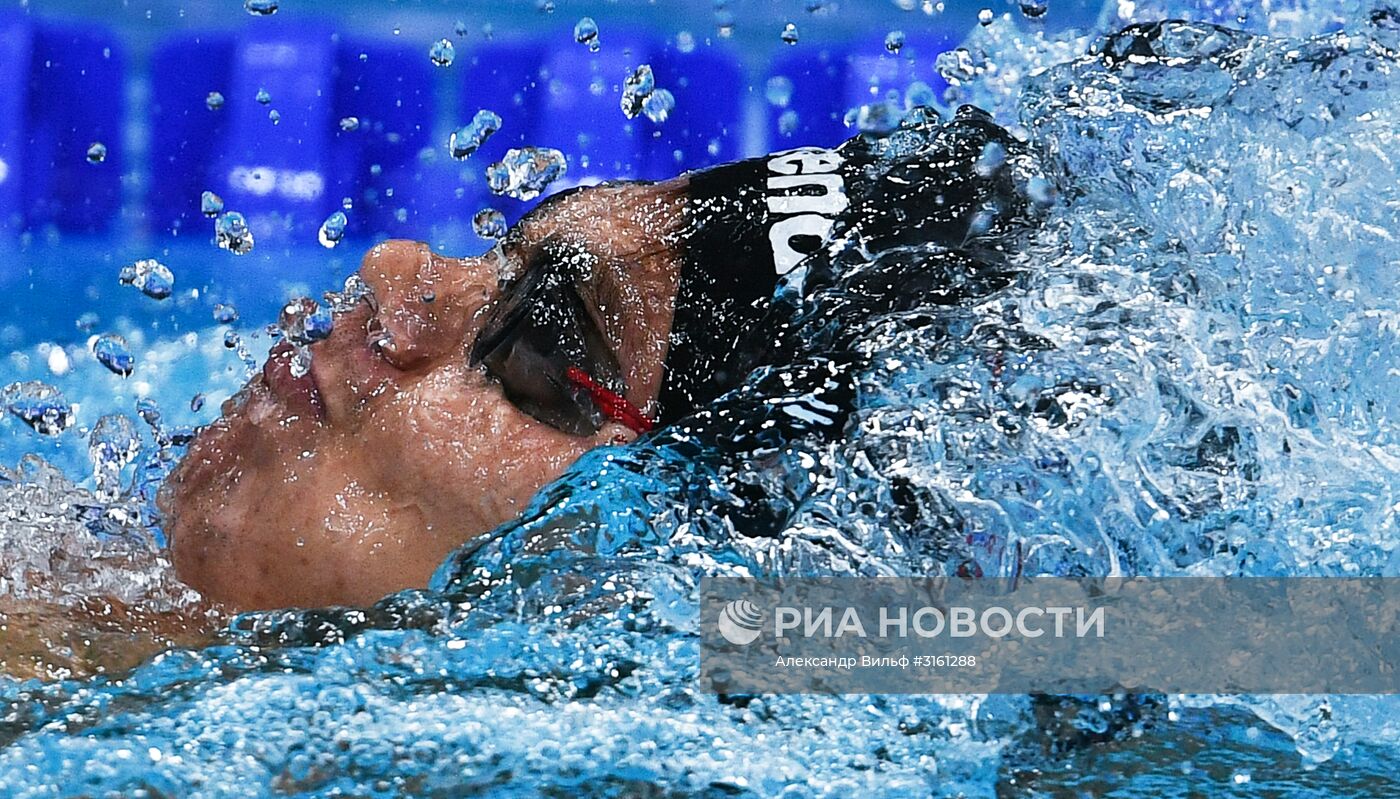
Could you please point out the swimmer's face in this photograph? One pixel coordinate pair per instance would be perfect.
(356, 479)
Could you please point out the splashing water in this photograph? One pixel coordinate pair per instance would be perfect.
(525, 173)
(211, 204)
(150, 277)
(468, 139)
(586, 33)
(442, 53)
(231, 232)
(332, 230)
(1183, 364)
(488, 223)
(111, 351)
(635, 90)
(39, 405)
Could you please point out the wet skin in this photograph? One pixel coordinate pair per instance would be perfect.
(356, 480)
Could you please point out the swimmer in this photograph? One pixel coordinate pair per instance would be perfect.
(457, 388)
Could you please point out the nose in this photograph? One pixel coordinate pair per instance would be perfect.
(428, 304)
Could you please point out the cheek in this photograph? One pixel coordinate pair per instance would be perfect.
(454, 443)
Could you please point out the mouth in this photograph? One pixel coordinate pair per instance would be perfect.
(299, 393)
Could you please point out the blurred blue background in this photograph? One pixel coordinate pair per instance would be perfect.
(358, 117)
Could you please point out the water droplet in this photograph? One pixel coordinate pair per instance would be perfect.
(779, 91)
(112, 444)
(460, 28)
(39, 405)
(263, 96)
(96, 152)
(214, 101)
(303, 321)
(150, 277)
(260, 8)
(545, 6)
(231, 233)
(275, 116)
(985, 17)
(789, 35)
(685, 42)
(467, 139)
(211, 204)
(894, 41)
(332, 230)
(659, 105)
(112, 352)
(586, 32)
(348, 124)
(490, 224)
(197, 403)
(225, 314)
(87, 322)
(524, 173)
(442, 53)
(635, 90)
(787, 123)
(1034, 9)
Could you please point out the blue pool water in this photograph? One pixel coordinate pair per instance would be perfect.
(1193, 370)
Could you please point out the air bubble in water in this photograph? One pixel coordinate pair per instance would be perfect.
(231, 232)
(225, 314)
(214, 101)
(349, 124)
(211, 204)
(779, 91)
(96, 152)
(112, 352)
(635, 90)
(39, 405)
(468, 139)
(442, 53)
(112, 444)
(490, 224)
(260, 8)
(894, 41)
(985, 17)
(1034, 9)
(150, 277)
(586, 32)
(659, 105)
(332, 230)
(789, 34)
(524, 173)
